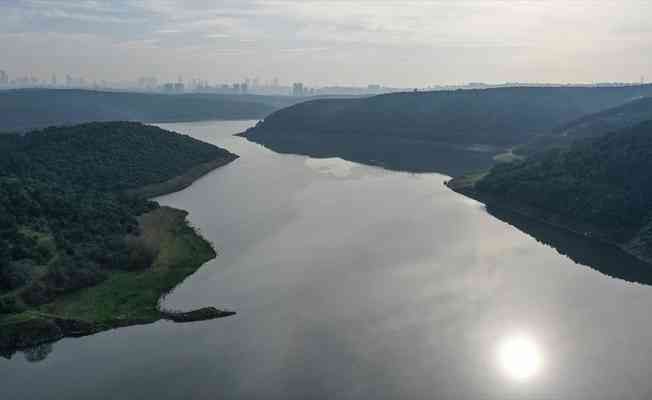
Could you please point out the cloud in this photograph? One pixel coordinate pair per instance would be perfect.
(218, 35)
(476, 39)
(167, 31)
(140, 44)
(299, 50)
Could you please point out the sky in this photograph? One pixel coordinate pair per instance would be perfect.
(393, 43)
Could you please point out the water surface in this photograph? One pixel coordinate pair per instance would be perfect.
(353, 282)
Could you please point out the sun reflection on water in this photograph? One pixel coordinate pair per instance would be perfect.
(520, 357)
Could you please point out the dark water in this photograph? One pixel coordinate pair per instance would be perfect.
(353, 282)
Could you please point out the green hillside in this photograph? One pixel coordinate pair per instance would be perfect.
(500, 117)
(66, 222)
(601, 187)
(446, 131)
(592, 126)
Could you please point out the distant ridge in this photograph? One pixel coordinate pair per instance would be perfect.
(26, 109)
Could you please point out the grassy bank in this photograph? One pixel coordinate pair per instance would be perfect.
(82, 249)
(125, 297)
(179, 251)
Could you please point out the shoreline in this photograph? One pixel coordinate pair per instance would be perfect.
(126, 298)
(180, 182)
(465, 185)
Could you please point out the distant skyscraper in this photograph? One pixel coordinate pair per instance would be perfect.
(4, 78)
(53, 81)
(298, 89)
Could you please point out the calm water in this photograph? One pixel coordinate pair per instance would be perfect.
(353, 282)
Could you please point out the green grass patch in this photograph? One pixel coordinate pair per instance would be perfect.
(467, 181)
(134, 296)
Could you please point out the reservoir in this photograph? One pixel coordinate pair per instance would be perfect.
(355, 282)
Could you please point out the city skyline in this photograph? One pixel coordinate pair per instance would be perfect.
(257, 85)
(399, 44)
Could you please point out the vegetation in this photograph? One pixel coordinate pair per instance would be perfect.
(177, 251)
(499, 117)
(27, 109)
(71, 235)
(108, 157)
(592, 126)
(602, 184)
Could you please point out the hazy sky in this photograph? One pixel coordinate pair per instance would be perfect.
(400, 43)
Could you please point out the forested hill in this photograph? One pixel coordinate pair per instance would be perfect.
(105, 156)
(498, 117)
(593, 125)
(610, 120)
(28, 109)
(64, 217)
(604, 185)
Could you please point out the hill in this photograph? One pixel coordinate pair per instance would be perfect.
(72, 219)
(105, 156)
(491, 119)
(600, 188)
(27, 109)
(592, 126)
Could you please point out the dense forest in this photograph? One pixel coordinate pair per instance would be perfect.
(605, 182)
(27, 109)
(64, 216)
(113, 156)
(497, 117)
(592, 126)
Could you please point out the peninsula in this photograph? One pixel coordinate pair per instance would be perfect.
(82, 250)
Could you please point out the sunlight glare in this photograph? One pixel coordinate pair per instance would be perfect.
(519, 357)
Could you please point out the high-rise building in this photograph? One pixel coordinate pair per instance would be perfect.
(147, 82)
(298, 89)
(174, 87)
(4, 78)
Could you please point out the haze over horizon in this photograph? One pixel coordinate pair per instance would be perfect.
(401, 44)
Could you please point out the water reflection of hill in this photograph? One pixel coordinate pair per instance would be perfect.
(389, 153)
(604, 258)
(33, 354)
